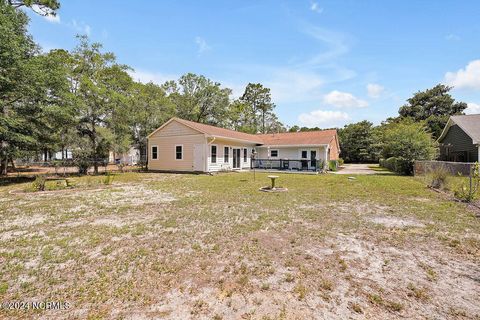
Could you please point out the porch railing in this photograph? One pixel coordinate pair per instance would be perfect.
(288, 164)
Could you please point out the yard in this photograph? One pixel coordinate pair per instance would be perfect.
(213, 247)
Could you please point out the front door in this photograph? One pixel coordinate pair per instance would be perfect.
(236, 158)
(313, 159)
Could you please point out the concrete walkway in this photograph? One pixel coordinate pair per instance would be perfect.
(356, 168)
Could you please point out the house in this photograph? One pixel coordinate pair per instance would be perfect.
(298, 150)
(181, 145)
(130, 157)
(460, 139)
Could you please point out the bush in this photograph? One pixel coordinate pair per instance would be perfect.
(340, 162)
(437, 177)
(399, 165)
(38, 184)
(83, 165)
(108, 179)
(332, 165)
(468, 190)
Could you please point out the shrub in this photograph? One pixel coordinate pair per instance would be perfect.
(468, 190)
(332, 165)
(340, 162)
(399, 165)
(108, 179)
(437, 177)
(39, 184)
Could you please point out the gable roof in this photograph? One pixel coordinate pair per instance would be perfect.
(213, 131)
(299, 138)
(470, 124)
(304, 138)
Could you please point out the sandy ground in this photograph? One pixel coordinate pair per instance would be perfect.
(161, 248)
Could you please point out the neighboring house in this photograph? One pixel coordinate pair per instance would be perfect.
(460, 139)
(59, 155)
(181, 145)
(131, 157)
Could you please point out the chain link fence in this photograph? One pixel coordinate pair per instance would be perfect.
(453, 168)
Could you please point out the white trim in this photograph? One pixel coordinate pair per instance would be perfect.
(175, 152)
(228, 160)
(151, 152)
(216, 154)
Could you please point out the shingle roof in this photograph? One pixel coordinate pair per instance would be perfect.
(299, 138)
(277, 139)
(470, 124)
(220, 132)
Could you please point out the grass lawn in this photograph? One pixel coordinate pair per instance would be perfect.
(213, 247)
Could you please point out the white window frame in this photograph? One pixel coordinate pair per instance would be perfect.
(245, 155)
(175, 152)
(301, 151)
(216, 155)
(151, 152)
(278, 153)
(229, 154)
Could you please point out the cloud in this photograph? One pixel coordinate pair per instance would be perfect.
(452, 37)
(46, 13)
(344, 100)
(473, 108)
(155, 77)
(202, 45)
(323, 118)
(467, 78)
(81, 27)
(374, 90)
(316, 8)
(335, 42)
(288, 85)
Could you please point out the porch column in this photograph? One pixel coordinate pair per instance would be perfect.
(326, 157)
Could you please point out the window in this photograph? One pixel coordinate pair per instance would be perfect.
(273, 153)
(179, 152)
(304, 154)
(213, 154)
(225, 154)
(244, 154)
(154, 152)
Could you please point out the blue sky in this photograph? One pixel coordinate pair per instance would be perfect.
(327, 63)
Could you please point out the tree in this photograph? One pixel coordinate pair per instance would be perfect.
(150, 108)
(259, 102)
(434, 105)
(19, 80)
(42, 7)
(357, 142)
(199, 99)
(99, 86)
(407, 141)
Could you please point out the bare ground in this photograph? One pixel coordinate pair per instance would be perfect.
(157, 246)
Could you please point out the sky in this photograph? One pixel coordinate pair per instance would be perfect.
(327, 63)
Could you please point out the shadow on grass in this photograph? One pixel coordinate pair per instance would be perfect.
(6, 181)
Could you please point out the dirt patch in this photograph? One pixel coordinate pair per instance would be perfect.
(395, 222)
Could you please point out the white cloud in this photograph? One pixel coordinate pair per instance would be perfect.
(53, 18)
(289, 85)
(323, 118)
(452, 37)
(469, 77)
(155, 77)
(316, 8)
(335, 42)
(344, 100)
(81, 27)
(202, 45)
(473, 108)
(374, 90)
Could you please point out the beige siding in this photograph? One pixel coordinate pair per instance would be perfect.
(221, 164)
(166, 139)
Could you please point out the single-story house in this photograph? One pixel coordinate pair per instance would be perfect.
(131, 157)
(460, 139)
(181, 145)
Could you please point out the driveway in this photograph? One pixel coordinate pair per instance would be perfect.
(356, 168)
